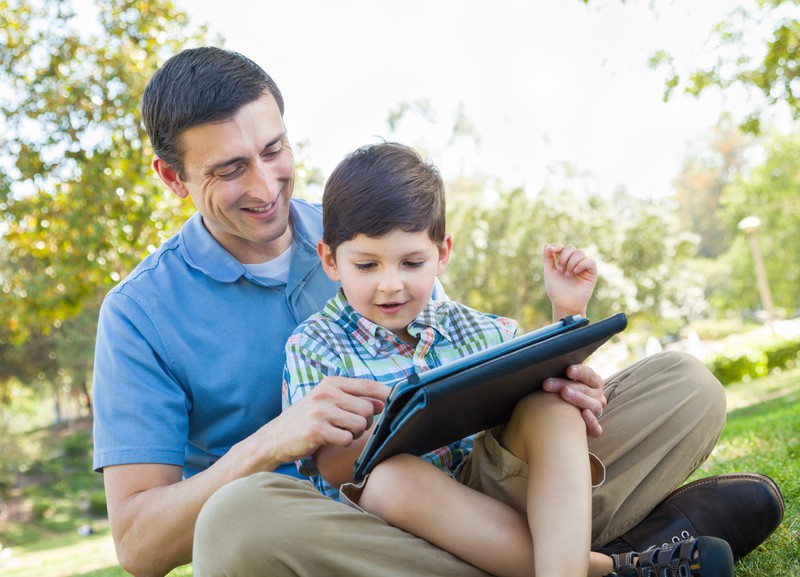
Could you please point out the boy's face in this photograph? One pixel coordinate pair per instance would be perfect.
(240, 174)
(390, 279)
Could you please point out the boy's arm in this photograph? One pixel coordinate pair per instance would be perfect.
(309, 362)
(569, 278)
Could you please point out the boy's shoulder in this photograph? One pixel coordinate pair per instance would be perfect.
(456, 317)
(326, 325)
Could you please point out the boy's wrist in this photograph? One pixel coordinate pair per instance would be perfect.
(559, 313)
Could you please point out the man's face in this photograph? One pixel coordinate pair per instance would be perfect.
(240, 175)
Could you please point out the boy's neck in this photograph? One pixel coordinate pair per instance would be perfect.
(406, 337)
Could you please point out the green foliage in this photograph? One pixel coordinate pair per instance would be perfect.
(708, 169)
(771, 191)
(497, 261)
(757, 361)
(770, 71)
(83, 205)
(57, 481)
(98, 506)
(716, 189)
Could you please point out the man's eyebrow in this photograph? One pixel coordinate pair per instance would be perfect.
(223, 164)
(238, 159)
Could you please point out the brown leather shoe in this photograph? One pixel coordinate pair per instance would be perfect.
(741, 508)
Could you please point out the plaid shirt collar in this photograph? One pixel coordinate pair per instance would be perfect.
(372, 336)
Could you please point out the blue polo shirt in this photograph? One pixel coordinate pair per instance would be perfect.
(190, 348)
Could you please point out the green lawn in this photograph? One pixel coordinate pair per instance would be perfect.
(70, 556)
(762, 435)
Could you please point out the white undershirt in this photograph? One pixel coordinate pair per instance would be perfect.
(275, 269)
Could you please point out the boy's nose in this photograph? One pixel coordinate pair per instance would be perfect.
(390, 282)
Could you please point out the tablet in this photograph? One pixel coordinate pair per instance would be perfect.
(430, 410)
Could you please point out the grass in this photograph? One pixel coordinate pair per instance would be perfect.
(71, 556)
(762, 435)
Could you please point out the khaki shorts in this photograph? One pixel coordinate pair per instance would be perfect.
(489, 469)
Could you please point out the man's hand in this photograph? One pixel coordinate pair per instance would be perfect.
(338, 411)
(569, 278)
(584, 389)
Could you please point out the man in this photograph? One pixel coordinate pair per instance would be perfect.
(190, 352)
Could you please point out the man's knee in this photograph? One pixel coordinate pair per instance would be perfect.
(241, 518)
(691, 379)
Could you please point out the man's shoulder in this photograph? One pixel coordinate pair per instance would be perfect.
(307, 219)
(150, 267)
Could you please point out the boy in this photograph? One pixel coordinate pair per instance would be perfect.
(384, 240)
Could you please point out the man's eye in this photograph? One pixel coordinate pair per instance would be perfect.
(228, 174)
(272, 152)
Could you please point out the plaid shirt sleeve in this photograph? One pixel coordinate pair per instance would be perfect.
(309, 359)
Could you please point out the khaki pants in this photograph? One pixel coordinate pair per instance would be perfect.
(663, 418)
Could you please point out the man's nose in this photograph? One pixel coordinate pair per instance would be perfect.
(263, 183)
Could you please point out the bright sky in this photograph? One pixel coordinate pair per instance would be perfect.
(542, 81)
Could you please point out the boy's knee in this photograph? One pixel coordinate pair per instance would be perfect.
(540, 408)
(390, 485)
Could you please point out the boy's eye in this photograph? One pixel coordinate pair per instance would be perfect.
(415, 263)
(364, 265)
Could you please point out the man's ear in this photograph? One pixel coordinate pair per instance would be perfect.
(170, 177)
(444, 254)
(328, 261)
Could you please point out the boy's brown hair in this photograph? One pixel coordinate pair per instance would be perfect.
(380, 188)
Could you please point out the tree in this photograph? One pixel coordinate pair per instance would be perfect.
(83, 205)
(80, 205)
(770, 191)
(706, 172)
(771, 71)
(497, 267)
(499, 235)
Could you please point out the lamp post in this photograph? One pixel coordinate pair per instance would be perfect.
(749, 226)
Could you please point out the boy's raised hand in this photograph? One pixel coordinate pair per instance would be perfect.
(569, 278)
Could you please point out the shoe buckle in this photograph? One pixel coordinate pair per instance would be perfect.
(684, 536)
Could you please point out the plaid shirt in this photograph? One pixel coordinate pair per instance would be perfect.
(339, 342)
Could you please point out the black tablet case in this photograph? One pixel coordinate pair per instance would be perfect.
(430, 410)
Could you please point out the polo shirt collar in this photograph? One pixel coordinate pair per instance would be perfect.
(202, 252)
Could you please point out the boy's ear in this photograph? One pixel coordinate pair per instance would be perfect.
(328, 261)
(170, 177)
(444, 254)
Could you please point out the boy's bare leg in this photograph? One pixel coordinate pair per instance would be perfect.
(417, 497)
(550, 435)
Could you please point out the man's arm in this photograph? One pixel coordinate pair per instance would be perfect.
(153, 512)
